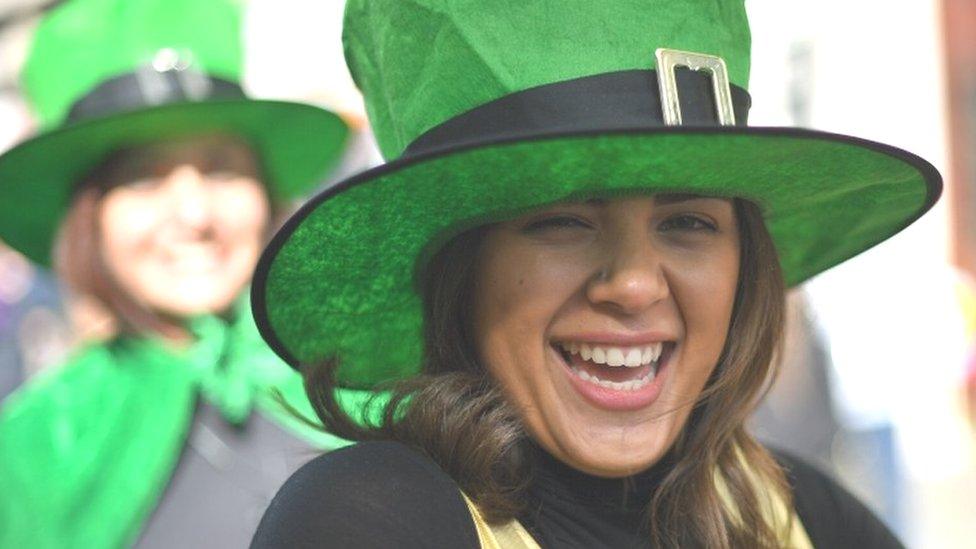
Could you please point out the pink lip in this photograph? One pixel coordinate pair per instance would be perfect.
(615, 399)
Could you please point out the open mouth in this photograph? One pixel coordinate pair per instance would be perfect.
(621, 368)
(193, 259)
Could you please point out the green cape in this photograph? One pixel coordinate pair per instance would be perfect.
(87, 449)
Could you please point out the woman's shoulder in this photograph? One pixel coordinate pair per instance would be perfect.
(88, 380)
(383, 466)
(60, 385)
(81, 406)
(830, 514)
(371, 494)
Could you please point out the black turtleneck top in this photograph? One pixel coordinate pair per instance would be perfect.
(615, 509)
(383, 494)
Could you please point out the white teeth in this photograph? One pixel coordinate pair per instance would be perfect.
(586, 352)
(632, 357)
(632, 385)
(599, 355)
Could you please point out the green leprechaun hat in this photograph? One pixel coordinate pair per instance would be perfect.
(107, 74)
(492, 108)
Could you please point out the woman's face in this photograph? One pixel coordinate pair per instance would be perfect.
(603, 320)
(183, 224)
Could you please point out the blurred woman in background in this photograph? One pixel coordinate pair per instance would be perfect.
(152, 191)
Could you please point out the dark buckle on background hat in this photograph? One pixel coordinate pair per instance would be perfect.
(668, 59)
(171, 73)
(170, 77)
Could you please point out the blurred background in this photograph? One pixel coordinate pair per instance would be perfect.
(879, 374)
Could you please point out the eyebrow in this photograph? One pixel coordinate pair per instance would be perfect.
(672, 198)
(661, 199)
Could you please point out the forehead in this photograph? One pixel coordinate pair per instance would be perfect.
(156, 159)
(188, 149)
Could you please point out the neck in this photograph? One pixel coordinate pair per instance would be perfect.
(179, 337)
(173, 331)
(633, 492)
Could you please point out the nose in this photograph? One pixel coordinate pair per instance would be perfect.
(631, 278)
(190, 198)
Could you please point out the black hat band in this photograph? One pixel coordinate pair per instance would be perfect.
(149, 88)
(610, 101)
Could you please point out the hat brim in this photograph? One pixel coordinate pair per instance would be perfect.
(297, 144)
(338, 278)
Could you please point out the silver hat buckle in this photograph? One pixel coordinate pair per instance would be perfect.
(171, 67)
(668, 60)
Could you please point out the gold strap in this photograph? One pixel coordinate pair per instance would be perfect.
(774, 509)
(511, 535)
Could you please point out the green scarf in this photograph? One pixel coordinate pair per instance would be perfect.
(87, 449)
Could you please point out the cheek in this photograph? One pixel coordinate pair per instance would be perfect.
(243, 213)
(503, 302)
(705, 296)
(520, 292)
(127, 225)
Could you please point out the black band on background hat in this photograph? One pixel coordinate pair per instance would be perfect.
(109, 75)
(617, 100)
(150, 88)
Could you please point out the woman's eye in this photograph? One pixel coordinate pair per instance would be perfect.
(686, 222)
(221, 175)
(556, 222)
(143, 184)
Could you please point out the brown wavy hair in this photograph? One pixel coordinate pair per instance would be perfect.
(455, 413)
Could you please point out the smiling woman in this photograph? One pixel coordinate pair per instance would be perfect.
(587, 332)
(185, 239)
(571, 282)
(602, 321)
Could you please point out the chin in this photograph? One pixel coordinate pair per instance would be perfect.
(611, 463)
(613, 455)
(195, 303)
(188, 310)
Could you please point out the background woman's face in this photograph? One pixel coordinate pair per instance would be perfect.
(183, 225)
(603, 320)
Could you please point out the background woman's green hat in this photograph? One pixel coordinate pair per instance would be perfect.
(492, 108)
(108, 74)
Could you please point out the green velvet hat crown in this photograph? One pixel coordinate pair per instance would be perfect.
(86, 42)
(490, 108)
(420, 63)
(108, 74)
